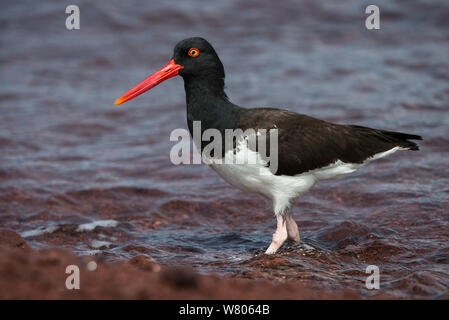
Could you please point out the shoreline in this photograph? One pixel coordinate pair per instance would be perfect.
(26, 273)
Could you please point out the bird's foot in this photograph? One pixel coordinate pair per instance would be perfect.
(279, 236)
(277, 242)
(292, 229)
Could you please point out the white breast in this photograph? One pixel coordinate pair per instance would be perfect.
(247, 171)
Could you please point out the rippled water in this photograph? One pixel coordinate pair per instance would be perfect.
(80, 173)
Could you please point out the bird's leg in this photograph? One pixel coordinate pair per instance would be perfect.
(279, 236)
(292, 229)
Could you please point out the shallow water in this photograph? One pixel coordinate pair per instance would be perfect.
(80, 173)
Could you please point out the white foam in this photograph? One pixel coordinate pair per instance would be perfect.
(39, 231)
(97, 244)
(100, 223)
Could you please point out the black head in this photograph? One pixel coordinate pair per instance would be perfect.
(196, 61)
(198, 58)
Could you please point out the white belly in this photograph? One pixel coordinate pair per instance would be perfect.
(252, 175)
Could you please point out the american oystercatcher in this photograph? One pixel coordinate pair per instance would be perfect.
(309, 149)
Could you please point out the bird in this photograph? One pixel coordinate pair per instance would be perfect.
(309, 150)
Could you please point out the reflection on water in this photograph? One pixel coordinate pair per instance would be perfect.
(80, 173)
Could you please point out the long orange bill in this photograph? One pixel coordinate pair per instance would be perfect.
(169, 70)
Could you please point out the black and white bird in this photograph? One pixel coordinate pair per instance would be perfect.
(309, 149)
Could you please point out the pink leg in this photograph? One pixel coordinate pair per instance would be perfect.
(279, 236)
(292, 229)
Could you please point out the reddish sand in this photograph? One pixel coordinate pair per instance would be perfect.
(30, 274)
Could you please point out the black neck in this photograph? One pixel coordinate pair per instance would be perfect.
(212, 86)
(207, 102)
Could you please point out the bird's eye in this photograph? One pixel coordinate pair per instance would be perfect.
(194, 52)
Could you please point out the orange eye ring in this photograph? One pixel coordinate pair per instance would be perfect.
(194, 52)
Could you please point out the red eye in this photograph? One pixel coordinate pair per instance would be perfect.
(194, 52)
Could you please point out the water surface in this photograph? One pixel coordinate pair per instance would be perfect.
(80, 173)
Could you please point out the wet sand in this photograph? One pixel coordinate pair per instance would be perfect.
(29, 274)
(93, 179)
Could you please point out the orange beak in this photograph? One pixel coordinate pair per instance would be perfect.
(166, 72)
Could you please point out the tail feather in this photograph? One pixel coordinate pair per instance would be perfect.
(403, 139)
(402, 136)
(398, 138)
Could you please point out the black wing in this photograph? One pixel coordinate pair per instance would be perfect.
(306, 143)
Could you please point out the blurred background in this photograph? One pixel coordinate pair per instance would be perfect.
(70, 158)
